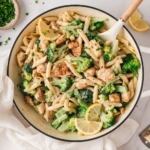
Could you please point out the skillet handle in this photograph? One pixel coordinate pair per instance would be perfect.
(129, 11)
(145, 50)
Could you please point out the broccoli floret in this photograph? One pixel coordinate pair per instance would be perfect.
(79, 99)
(73, 29)
(108, 107)
(36, 102)
(68, 126)
(94, 36)
(54, 52)
(107, 49)
(107, 119)
(71, 124)
(86, 96)
(108, 56)
(120, 88)
(27, 71)
(84, 54)
(26, 84)
(63, 84)
(70, 94)
(60, 112)
(83, 63)
(48, 96)
(103, 97)
(116, 71)
(130, 64)
(81, 111)
(76, 22)
(109, 88)
(97, 23)
(57, 121)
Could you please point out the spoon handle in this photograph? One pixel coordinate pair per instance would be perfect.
(133, 6)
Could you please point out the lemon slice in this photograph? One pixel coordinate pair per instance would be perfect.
(46, 32)
(87, 127)
(137, 23)
(93, 112)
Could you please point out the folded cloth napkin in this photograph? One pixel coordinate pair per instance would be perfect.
(14, 135)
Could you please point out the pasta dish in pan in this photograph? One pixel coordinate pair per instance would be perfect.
(74, 79)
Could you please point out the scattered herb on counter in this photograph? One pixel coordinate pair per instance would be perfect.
(27, 14)
(1, 43)
(6, 42)
(7, 12)
(13, 28)
(36, 1)
(43, 3)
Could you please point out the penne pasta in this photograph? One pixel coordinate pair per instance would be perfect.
(71, 67)
(84, 37)
(48, 70)
(87, 24)
(94, 80)
(50, 87)
(40, 61)
(131, 88)
(95, 94)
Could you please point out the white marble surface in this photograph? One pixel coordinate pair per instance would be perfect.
(116, 8)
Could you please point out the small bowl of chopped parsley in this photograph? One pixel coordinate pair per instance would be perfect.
(9, 13)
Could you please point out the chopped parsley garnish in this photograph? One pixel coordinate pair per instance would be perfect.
(32, 53)
(36, 1)
(1, 43)
(27, 14)
(7, 12)
(43, 3)
(13, 28)
(98, 49)
(47, 31)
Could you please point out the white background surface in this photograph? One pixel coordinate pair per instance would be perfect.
(114, 7)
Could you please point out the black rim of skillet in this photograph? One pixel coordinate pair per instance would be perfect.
(75, 5)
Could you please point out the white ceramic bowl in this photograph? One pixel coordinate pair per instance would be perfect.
(29, 114)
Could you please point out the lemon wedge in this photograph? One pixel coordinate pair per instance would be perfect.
(86, 127)
(93, 112)
(46, 32)
(136, 23)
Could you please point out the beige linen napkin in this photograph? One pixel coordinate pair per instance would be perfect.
(14, 135)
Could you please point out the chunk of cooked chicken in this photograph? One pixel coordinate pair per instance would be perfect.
(61, 39)
(20, 58)
(72, 37)
(114, 97)
(41, 68)
(81, 84)
(43, 44)
(61, 69)
(73, 45)
(29, 100)
(41, 108)
(54, 26)
(126, 96)
(39, 94)
(106, 74)
(95, 48)
(91, 71)
(35, 73)
(77, 51)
